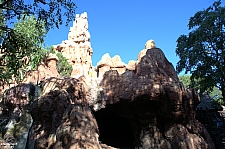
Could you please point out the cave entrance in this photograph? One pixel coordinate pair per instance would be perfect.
(115, 130)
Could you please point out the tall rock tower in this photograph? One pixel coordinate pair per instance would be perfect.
(77, 49)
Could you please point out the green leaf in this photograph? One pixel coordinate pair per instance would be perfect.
(202, 51)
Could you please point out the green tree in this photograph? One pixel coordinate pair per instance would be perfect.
(21, 44)
(188, 83)
(51, 12)
(63, 67)
(21, 49)
(202, 51)
(185, 79)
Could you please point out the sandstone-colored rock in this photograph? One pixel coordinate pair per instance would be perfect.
(150, 44)
(92, 72)
(43, 71)
(117, 62)
(78, 71)
(77, 49)
(159, 100)
(141, 54)
(51, 63)
(139, 105)
(118, 65)
(101, 70)
(64, 117)
(52, 57)
(107, 63)
(120, 70)
(104, 65)
(105, 60)
(131, 65)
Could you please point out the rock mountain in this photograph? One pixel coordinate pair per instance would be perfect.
(139, 105)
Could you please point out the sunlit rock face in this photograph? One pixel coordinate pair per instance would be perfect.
(140, 105)
(142, 108)
(107, 63)
(62, 117)
(77, 49)
(160, 112)
(44, 70)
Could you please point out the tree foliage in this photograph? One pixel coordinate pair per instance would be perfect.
(185, 79)
(188, 83)
(202, 51)
(23, 25)
(21, 49)
(51, 12)
(63, 67)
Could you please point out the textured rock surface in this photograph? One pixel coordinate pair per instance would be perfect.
(139, 105)
(148, 45)
(131, 65)
(160, 110)
(62, 117)
(107, 63)
(44, 70)
(15, 117)
(146, 107)
(77, 49)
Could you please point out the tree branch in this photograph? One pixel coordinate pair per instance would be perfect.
(4, 3)
(210, 41)
(42, 1)
(7, 8)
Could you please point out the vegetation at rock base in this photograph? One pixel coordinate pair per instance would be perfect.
(202, 51)
(62, 65)
(215, 93)
(23, 25)
(21, 49)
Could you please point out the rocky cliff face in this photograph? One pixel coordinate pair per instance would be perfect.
(45, 70)
(160, 111)
(141, 104)
(77, 49)
(107, 63)
(15, 118)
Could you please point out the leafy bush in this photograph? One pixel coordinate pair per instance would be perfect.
(63, 67)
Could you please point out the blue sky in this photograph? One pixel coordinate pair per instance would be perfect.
(122, 27)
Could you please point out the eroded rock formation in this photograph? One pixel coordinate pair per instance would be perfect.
(148, 103)
(107, 63)
(139, 105)
(45, 70)
(62, 117)
(160, 111)
(15, 118)
(77, 49)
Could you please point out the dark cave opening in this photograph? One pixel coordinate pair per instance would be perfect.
(115, 130)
